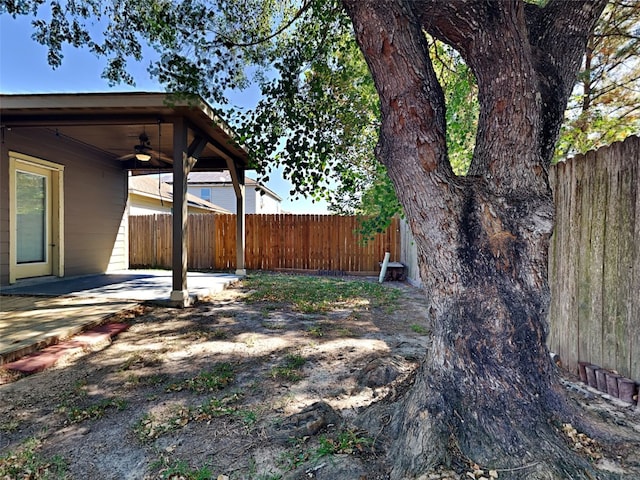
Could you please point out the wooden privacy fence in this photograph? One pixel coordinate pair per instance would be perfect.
(273, 242)
(594, 259)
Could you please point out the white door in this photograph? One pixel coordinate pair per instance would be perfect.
(33, 220)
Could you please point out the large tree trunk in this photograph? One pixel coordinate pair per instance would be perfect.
(487, 393)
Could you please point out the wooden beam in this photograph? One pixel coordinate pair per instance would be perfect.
(207, 164)
(195, 149)
(179, 293)
(237, 177)
(240, 230)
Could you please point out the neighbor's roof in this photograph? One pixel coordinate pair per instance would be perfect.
(150, 186)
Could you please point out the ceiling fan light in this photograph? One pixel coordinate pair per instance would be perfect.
(143, 157)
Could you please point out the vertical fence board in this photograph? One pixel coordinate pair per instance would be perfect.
(570, 322)
(634, 256)
(596, 202)
(610, 266)
(555, 340)
(581, 231)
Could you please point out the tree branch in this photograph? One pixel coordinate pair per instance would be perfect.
(558, 35)
(227, 42)
(396, 51)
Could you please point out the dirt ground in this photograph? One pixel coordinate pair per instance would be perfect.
(237, 390)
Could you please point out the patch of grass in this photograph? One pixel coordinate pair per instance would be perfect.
(294, 360)
(296, 456)
(315, 331)
(274, 325)
(310, 294)
(250, 341)
(134, 380)
(27, 463)
(217, 334)
(343, 332)
(138, 360)
(213, 408)
(290, 368)
(224, 407)
(75, 394)
(285, 373)
(347, 441)
(205, 335)
(217, 378)
(419, 329)
(248, 417)
(180, 470)
(94, 411)
(151, 426)
(9, 426)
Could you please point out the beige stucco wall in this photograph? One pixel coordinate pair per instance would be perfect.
(95, 195)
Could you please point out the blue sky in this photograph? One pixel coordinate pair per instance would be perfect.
(24, 69)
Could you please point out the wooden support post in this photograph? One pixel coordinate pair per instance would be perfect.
(180, 293)
(240, 226)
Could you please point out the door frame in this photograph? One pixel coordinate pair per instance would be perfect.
(55, 215)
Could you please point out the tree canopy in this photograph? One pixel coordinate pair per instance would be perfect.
(605, 106)
(304, 59)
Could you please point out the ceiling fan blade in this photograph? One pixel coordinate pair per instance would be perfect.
(157, 158)
(159, 155)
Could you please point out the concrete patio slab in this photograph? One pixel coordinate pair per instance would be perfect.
(139, 285)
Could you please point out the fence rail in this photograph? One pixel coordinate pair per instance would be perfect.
(273, 242)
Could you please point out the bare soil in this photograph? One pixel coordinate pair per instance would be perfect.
(230, 389)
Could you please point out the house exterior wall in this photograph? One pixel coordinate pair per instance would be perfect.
(224, 196)
(141, 205)
(119, 259)
(267, 204)
(94, 197)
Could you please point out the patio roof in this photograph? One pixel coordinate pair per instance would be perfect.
(122, 118)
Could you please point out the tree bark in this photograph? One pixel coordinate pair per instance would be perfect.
(487, 393)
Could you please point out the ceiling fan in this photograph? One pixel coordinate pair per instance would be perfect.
(144, 153)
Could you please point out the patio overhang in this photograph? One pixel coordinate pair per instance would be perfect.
(180, 135)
